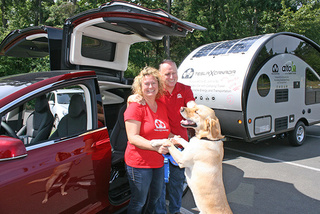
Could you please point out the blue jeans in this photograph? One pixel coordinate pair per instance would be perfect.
(144, 184)
(175, 191)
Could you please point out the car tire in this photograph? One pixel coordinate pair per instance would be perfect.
(298, 135)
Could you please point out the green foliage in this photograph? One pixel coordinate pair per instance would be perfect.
(59, 12)
(224, 20)
(12, 65)
(305, 21)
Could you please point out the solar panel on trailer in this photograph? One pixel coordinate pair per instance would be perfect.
(223, 48)
(206, 49)
(244, 44)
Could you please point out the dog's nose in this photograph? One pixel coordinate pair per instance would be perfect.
(182, 109)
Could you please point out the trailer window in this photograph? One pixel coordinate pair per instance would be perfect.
(263, 85)
(286, 44)
(312, 87)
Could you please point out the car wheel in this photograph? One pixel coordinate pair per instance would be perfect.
(56, 122)
(298, 135)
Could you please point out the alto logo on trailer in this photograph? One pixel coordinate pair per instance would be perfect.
(275, 68)
(289, 67)
(188, 74)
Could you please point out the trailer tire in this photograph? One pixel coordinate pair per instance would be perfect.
(298, 135)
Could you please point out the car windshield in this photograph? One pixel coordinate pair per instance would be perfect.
(65, 97)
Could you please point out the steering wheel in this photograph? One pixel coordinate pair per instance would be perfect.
(9, 130)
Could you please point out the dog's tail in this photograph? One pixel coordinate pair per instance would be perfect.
(38, 180)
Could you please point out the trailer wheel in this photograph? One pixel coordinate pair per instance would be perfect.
(298, 135)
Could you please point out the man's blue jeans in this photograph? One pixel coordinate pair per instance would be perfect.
(144, 183)
(175, 191)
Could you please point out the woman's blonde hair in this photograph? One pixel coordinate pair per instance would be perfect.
(137, 83)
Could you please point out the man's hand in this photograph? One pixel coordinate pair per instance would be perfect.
(191, 104)
(136, 98)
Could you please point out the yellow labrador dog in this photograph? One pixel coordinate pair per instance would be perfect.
(202, 159)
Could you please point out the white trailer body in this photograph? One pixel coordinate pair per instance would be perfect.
(259, 86)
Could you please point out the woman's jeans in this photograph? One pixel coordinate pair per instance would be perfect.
(173, 190)
(145, 184)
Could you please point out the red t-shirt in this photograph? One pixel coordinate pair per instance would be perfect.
(179, 97)
(153, 126)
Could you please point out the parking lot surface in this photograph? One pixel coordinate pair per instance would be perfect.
(271, 176)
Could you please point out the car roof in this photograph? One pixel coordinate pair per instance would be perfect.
(15, 86)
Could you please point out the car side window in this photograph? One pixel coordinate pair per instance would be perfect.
(69, 111)
(41, 119)
(31, 121)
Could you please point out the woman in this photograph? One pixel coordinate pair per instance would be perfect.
(144, 123)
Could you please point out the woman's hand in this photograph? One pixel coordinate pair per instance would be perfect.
(162, 149)
(136, 98)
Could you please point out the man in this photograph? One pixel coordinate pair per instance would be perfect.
(176, 95)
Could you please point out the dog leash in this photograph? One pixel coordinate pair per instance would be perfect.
(167, 159)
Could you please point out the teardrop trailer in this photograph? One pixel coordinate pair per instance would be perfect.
(260, 87)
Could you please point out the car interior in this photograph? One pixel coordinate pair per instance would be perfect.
(114, 98)
(75, 121)
(39, 123)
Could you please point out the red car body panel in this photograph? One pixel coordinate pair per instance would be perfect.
(29, 176)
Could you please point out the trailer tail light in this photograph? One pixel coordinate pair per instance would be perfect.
(239, 121)
(249, 121)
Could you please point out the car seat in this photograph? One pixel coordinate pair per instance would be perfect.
(39, 123)
(118, 137)
(75, 121)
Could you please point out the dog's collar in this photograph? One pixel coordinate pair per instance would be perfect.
(205, 138)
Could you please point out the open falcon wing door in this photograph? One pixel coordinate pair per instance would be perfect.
(34, 42)
(101, 38)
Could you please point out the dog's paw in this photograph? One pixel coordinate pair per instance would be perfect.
(158, 142)
(177, 137)
(175, 140)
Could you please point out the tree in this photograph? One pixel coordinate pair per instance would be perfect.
(224, 20)
(305, 20)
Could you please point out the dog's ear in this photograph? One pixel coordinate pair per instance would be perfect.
(215, 129)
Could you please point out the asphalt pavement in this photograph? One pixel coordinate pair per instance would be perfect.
(270, 176)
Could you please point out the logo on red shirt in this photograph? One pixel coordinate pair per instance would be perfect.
(179, 96)
(159, 124)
